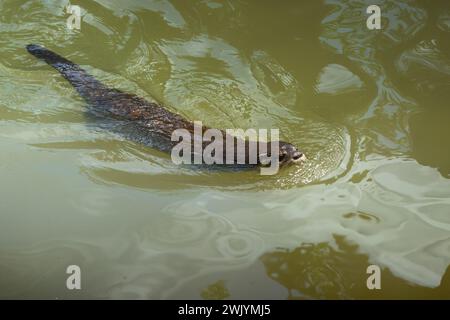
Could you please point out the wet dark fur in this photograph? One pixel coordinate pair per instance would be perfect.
(146, 122)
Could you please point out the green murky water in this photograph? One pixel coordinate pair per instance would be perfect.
(369, 108)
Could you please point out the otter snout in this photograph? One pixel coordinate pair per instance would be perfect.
(289, 154)
(298, 156)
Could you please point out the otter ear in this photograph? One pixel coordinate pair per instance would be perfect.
(264, 159)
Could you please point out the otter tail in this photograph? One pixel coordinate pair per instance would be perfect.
(83, 82)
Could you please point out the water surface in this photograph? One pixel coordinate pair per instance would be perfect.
(368, 107)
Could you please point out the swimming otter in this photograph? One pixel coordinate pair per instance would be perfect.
(143, 121)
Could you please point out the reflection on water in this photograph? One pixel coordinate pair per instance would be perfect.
(367, 107)
(319, 271)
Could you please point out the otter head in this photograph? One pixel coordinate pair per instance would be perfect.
(287, 154)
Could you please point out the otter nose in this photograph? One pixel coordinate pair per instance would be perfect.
(297, 155)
